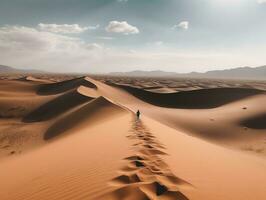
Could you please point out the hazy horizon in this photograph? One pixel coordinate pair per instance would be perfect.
(137, 70)
(100, 36)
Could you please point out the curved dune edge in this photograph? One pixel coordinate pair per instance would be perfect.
(34, 80)
(194, 99)
(89, 92)
(63, 86)
(96, 111)
(255, 122)
(38, 80)
(57, 106)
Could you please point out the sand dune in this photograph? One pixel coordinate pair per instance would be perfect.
(57, 106)
(79, 139)
(20, 107)
(99, 108)
(221, 125)
(59, 87)
(195, 99)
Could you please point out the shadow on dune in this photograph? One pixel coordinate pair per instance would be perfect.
(257, 122)
(59, 87)
(97, 110)
(57, 106)
(194, 99)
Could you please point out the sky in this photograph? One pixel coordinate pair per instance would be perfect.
(99, 36)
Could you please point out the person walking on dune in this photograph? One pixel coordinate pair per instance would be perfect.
(138, 114)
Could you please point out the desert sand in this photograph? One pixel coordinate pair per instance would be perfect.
(69, 137)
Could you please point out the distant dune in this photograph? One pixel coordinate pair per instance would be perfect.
(195, 99)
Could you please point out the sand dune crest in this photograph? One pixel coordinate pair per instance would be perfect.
(59, 87)
(57, 106)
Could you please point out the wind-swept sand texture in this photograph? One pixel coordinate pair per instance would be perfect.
(79, 139)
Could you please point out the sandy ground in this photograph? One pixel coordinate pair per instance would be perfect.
(78, 138)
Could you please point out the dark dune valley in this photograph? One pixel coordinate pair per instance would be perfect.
(192, 137)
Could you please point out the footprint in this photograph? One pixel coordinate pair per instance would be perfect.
(134, 158)
(146, 176)
(126, 179)
(139, 163)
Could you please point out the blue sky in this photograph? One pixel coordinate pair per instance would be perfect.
(124, 35)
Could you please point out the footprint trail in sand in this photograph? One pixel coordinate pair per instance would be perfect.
(146, 176)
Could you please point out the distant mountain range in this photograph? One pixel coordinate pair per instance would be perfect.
(253, 73)
(10, 70)
(235, 73)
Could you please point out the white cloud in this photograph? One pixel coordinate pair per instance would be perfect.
(104, 38)
(122, 1)
(31, 39)
(183, 25)
(261, 1)
(25, 38)
(64, 28)
(121, 27)
(33, 47)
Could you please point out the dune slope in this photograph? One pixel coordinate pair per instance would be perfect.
(25, 116)
(57, 106)
(195, 99)
(129, 159)
(99, 108)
